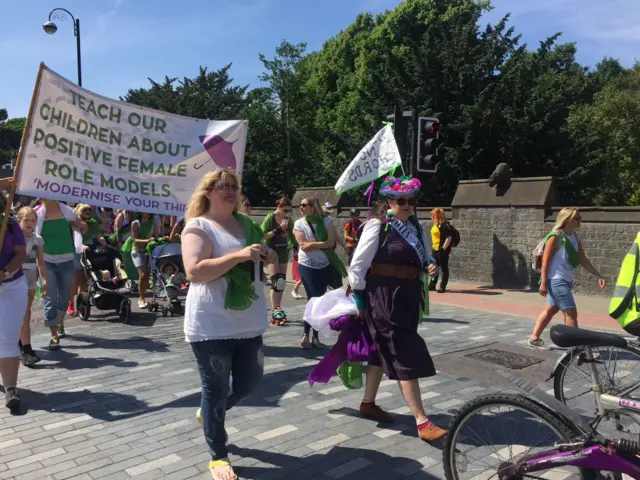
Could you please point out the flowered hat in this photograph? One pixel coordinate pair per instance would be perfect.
(394, 187)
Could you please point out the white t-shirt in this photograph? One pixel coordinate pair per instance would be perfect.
(205, 317)
(559, 267)
(316, 258)
(34, 243)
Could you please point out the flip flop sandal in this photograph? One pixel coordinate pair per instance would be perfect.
(223, 462)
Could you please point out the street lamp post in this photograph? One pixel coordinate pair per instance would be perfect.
(60, 14)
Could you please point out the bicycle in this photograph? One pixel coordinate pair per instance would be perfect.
(579, 450)
(605, 364)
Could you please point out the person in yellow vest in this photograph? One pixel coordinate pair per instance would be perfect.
(625, 306)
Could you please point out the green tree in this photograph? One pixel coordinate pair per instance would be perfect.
(280, 75)
(209, 95)
(10, 136)
(606, 136)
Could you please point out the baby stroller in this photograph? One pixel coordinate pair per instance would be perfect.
(106, 281)
(166, 295)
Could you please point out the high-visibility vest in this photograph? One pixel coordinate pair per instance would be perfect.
(625, 304)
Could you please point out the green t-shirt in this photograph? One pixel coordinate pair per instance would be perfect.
(58, 238)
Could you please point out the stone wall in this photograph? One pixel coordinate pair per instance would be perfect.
(497, 241)
(509, 236)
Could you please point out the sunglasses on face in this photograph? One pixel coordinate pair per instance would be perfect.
(226, 186)
(404, 201)
(305, 205)
(86, 212)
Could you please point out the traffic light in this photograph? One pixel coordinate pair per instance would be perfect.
(428, 148)
(400, 119)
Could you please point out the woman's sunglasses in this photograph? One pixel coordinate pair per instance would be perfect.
(404, 201)
(226, 186)
(305, 205)
(86, 212)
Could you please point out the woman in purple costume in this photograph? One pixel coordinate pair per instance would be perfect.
(386, 278)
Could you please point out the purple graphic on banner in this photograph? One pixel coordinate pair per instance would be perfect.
(220, 151)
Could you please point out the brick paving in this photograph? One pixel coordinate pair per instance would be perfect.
(118, 402)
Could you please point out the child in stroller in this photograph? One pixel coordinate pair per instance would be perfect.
(171, 274)
(169, 281)
(106, 283)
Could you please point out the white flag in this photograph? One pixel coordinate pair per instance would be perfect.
(377, 158)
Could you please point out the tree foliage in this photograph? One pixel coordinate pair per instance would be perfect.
(10, 135)
(499, 100)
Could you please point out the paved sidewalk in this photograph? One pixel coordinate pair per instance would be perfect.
(118, 402)
(592, 311)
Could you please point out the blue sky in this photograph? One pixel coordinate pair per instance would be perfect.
(126, 41)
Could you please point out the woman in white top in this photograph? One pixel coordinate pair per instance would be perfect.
(562, 254)
(317, 259)
(225, 311)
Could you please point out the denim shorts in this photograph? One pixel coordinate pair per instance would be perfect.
(559, 294)
(140, 259)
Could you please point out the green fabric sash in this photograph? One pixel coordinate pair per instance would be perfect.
(266, 227)
(350, 373)
(115, 236)
(573, 258)
(322, 235)
(144, 231)
(241, 291)
(93, 231)
(160, 241)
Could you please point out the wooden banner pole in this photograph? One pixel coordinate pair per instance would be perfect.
(23, 142)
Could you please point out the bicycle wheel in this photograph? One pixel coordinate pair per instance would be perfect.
(531, 428)
(618, 371)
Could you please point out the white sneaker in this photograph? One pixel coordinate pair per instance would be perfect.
(199, 416)
(143, 305)
(296, 295)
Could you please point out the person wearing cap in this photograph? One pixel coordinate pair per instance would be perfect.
(387, 281)
(351, 228)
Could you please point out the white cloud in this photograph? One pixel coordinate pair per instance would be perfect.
(599, 28)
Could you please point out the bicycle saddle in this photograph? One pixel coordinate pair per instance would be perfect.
(566, 337)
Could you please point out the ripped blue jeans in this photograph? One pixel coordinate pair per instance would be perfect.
(243, 359)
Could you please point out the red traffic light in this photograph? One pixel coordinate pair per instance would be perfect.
(432, 127)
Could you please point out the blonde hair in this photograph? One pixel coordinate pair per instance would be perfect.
(438, 215)
(24, 211)
(564, 217)
(80, 207)
(317, 208)
(199, 202)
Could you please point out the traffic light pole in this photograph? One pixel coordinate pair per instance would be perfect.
(400, 119)
(414, 142)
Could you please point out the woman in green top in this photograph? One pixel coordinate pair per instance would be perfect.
(61, 230)
(278, 235)
(143, 231)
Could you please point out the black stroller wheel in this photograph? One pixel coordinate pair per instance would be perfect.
(83, 306)
(125, 311)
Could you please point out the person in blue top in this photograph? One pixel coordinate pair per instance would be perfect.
(13, 298)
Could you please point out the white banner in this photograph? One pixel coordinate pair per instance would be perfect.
(377, 158)
(83, 147)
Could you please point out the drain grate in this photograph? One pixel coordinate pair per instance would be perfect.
(514, 361)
